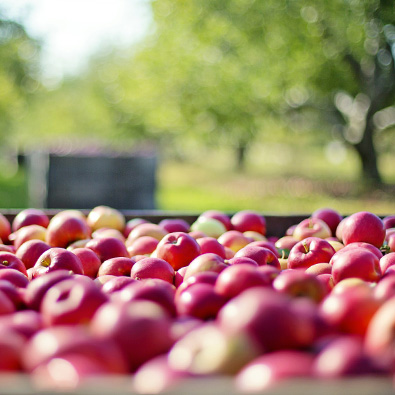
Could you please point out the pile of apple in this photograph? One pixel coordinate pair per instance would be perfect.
(88, 295)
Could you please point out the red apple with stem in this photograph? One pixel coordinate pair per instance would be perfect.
(30, 251)
(311, 227)
(11, 261)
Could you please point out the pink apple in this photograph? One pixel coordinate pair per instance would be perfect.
(57, 259)
(234, 240)
(327, 281)
(30, 216)
(146, 229)
(311, 227)
(363, 226)
(26, 233)
(13, 293)
(108, 232)
(131, 224)
(309, 252)
(144, 245)
(118, 266)
(385, 288)
(15, 277)
(370, 247)
(7, 248)
(206, 277)
(11, 261)
(330, 216)
(175, 225)
(245, 220)
(30, 251)
(211, 244)
(177, 248)
(25, 322)
(105, 217)
(266, 244)
(205, 262)
(90, 261)
(116, 283)
(179, 276)
(262, 255)
(391, 242)
(6, 304)
(11, 348)
(107, 248)
(153, 268)
(386, 261)
(242, 260)
(389, 221)
(218, 215)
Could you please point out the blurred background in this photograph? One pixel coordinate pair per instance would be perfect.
(278, 106)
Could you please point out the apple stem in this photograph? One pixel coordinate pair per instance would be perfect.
(306, 248)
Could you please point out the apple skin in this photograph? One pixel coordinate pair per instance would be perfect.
(234, 240)
(211, 244)
(26, 233)
(116, 283)
(319, 268)
(363, 226)
(179, 276)
(15, 277)
(242, 260)
(13, 293)
(6, 304)
(309, 252)
(142, 330)
(311, 227)
(269, 370)
(131, 224)
(146, 229)
(262, 255)
(220, 216)
(237, 278)
(330, 216)
(389, 221)
(385, 288)
(144, 245)
(118, 266)
(391, 242)
(71, 302)
(386, 261)
(285, 244)
(105, 217)
(108, 232)
(25, 323)
(107, 248)
(175, 225)
(30, 251)
(202, 277)
(209, 226)
(153, 268)
(57, 258)
(90, 261)
(364, 245)
(246, 220)
(178, 249)
(356, 262)
(205, 262)
(5, 228)
(65, 228)
(265, 244)
(30, 216)
(11, 348)
(11, 261)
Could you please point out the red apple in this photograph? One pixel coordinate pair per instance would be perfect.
(144, 245)
(376, 251)
(107, 248)
(57, 259)
(15, 277)
(311, 227)
(6, 305)
(13, 293)
(262, 255)
(234, 240)
(175, 225)
(116, 283)
(105, 217)
(153, 268)
(386, 261)
(245, 220)
(205, 262)
(202, 277)
(131, 224)
(242, 260)
(30, 251)
(11, 261)
(389, 221)
(266, 244)
(177, 248)
(30, 216)
(211, 244)
(363, 226)
(108, 232)
(330, 216)
(319, 268)
(179, 276)
(25, 322)
(118, 266)
(90, 261)
(5, 228)
(26, 233)
(146, 229)
(391, 242)
(309, 252)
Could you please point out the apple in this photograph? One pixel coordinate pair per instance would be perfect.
(246, 220)
(256, 236)
(6, 304)
(5, 228)
(11, 348)
(144, 245)
(13, 293)
(71, 302)
(15, 277)
(175, 225)
(389, 221)
(105, 217)
(355, 262)
(327, 281)
(57, 259)
(116, 283)
(262, 255)
(153, 268)
(90, 261)
(363, 226)
(319, 268)
(30, 251)
(179, 276)
(218, 215)
(211, 244)
(376, 251)
(202, 277)
(205, 262)
(209, 226)
(7, 248)
(242, 260)
(267, 371)
(311, 227)
(309, 252)
(118, 266)
(146, 229)
(234, 240)
(26, 233)
(386, 261)
(284, 245)
(30, 216)
(391, 242)
(330, 216)
(385, 288)
(142, 330)
(337, 245)
(11, 261)
(197, 234)
(107, 248)
(108, 232)
(177, 248)
(78, 244)
(131, 224)
(66, 228)
(266, 244)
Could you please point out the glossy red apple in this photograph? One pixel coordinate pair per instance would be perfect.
(205, 277)
(175, 225)
(389, 221)
(30, 251)
(11, 261)
(234, 240)
(386, 261)
(153, 268)
(30, 216)
(205, 262)
(115, 283)
(26, 233)
(246, 220)
(262, 256)
(118, 266)
(211, 244)
(144, 245)
(319, 268)
(385, 288)
(242, 260)
(311, 227)
(5, 228)
(90, 261)
(330, 216)
(15, 277)
(146, 229)
(266, 244)
(107, 248)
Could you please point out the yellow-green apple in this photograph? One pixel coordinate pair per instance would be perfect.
(175, 225)
(363, 226)
(234, 240)
(107, 248)
(131, 224)
(146, 229)
(30, 216)
(211, 244)
(209, 226)
(141, 329)
(308, 252)
(268, 371)
(311, 227)
(71, 302)
(118, 266)
(5, 228)
(177, 248)
(65, 228)
(26, 233)
(205, 262)
(11, 261)
(297, 283)
(337, 245)
(15, 277)
(90, 261)
(237, 278)
(355, 262)
(153, 268)
(30, 251)
(246, 220)
(386, 261)
(218, 215)
(57, 259)
(330, 216)
(105, 217)
(144, 245)
(262, 255)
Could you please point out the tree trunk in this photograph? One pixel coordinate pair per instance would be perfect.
(241, 153)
